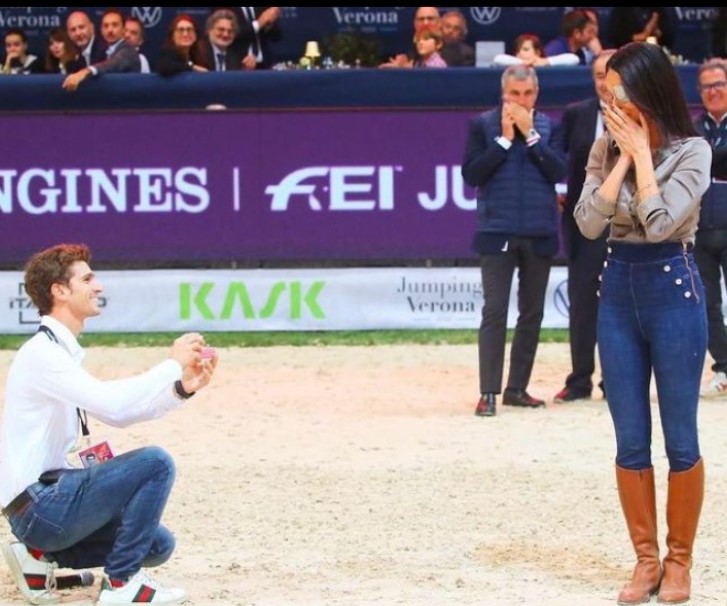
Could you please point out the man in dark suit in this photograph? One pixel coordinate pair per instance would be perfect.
(259, 27)
(582, 125)
(120, 56)
(514, 158)
(456, 52)
(215, 51)
(710, 247)
(83, 34)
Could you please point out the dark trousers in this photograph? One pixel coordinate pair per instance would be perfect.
(497, 277)
(710, 254)
(584, 270)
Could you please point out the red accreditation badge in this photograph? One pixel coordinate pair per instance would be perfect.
(96, 454)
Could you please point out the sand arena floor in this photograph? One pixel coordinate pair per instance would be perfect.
(359, 476)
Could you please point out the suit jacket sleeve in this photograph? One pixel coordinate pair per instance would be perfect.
(123, 60)
(481, 157)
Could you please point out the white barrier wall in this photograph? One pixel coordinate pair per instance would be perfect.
(285, 299)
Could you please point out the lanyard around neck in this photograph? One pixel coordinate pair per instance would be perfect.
(82, 416)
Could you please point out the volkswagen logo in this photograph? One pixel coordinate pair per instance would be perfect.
(148, 15)
(560, 299)
(485, 15)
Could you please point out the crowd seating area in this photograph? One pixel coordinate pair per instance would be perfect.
(292, 89)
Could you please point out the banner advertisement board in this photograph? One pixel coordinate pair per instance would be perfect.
(284, 300)
(220, 186)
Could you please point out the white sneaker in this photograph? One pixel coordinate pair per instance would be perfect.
(139, 589)
(35, 579)
(717, 387)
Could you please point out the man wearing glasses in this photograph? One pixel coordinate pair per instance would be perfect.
(710, 250)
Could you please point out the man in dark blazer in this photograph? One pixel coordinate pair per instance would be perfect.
(581, 125)
(215, 50)
(119, 57)
(710, 247)
(456, 52)
(514, 158)
(259, 27)
(80, 28)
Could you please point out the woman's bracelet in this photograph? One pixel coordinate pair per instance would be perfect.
(647, 186)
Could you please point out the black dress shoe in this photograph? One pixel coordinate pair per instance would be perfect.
(568, 394)
(520, 397)
(486, 405)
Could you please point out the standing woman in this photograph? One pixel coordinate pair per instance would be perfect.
(645, 178)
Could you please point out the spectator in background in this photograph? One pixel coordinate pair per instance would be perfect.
(639, 23)
(514, 159)
(582, 124)
(424, 16)
(577, 32)
(214, 51)
(121, 57)
(61, 56)
(175, 56)
(83, 34)
(259, 29)
(429, 43)
(595, 46)
(17, 58)
(134, 35)
(456, 52)
(529, 51)
(710, 249)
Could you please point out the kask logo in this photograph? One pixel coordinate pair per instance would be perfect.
(485, 15)
(291, 299)
(150, 16)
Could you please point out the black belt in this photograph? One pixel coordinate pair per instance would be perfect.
(17, 504)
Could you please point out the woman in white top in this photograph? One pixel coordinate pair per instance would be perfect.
(529, 51)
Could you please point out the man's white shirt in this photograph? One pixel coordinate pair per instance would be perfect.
(46, 384)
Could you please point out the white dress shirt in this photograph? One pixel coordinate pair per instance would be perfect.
(46, 384)
(144, 64)
(255, 48)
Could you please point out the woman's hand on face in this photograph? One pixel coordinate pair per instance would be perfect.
(630, 136)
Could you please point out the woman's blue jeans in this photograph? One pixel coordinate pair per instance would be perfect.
(652, 317)
(106, 515)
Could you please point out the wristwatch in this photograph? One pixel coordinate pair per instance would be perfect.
(182, 393)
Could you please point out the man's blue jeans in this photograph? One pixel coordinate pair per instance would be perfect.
(652, 317)
(106, 515)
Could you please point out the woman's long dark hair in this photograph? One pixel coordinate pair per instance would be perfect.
(651, 83)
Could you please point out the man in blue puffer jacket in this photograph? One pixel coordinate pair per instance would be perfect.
(514, 158)
(710, 248)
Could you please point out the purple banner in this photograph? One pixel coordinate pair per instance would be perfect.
(225, 185)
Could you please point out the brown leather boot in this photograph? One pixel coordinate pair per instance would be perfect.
(683, 506)
(638, 501)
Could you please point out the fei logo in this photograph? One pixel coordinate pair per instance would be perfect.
(237, 297)
(150, 16)
(349, 188)
(485, 15)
